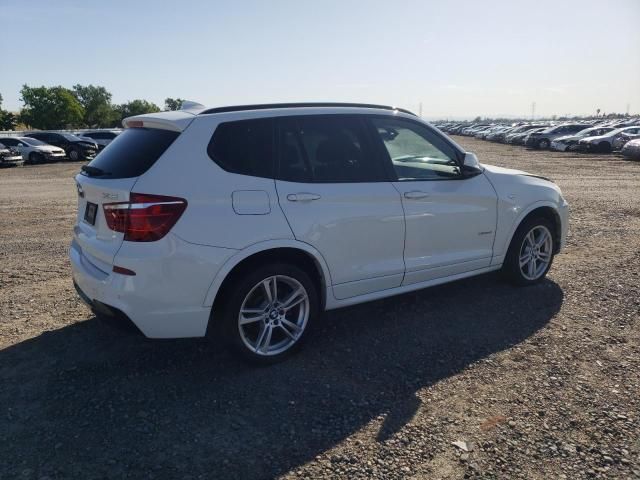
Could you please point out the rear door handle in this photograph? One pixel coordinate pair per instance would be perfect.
(415, 195)
(302, 197)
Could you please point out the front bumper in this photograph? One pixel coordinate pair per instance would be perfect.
(563, 213)
(13, 160)
(89, 154)
(52, 157)
(166, 297)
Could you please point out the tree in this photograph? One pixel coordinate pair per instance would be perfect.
(8, 120)
(50, 108)
(96, 101)
(137, 107)
(134, 107)
(173, 103)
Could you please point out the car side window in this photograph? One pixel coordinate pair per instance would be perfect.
(326, 149)
(245, 147)
(415, 152)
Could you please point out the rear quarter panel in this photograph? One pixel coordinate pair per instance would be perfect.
(185, 170)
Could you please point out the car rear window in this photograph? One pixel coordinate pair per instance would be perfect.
(133, 152)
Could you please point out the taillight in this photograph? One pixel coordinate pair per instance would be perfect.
(144, 218)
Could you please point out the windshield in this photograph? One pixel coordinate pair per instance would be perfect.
(593, 131)
(31, 141)
(71, 137)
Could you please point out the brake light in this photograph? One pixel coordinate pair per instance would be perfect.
(144, 218)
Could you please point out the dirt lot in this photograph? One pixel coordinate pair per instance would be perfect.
(544, 381)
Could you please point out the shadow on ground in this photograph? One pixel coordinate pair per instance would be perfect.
(88, 401)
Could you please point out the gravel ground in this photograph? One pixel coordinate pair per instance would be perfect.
(541, 382)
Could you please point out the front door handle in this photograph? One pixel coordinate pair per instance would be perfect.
(415, 195)
(302, 197)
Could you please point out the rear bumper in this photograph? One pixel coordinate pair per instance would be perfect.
(108, 314)
(165, 299)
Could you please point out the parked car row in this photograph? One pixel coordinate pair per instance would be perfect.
(44, 146)
(601, 136)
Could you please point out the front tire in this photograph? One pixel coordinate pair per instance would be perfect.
(604, 147)
(530, 253)
(269, 313)
(74, 155)
(35, 158)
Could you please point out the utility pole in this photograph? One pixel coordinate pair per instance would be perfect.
(420, 110)
(628, 109)
(533, 110)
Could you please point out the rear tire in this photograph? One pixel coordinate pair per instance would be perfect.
(530, 253)
(269, 313)
(543, 144)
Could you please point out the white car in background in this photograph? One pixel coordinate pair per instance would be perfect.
(621, 140)
(34, 151)
(249, 221)
(570, 142)
(604, 143)
(101, 137)
(9, 157)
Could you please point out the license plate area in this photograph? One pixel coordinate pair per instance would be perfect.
(90, 213)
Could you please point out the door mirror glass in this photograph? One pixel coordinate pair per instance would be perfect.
(470, 160)
(471, 166)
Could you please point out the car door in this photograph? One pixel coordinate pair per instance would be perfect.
(450, 218)
(335, 194)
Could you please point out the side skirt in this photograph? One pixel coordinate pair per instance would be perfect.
(333, 303)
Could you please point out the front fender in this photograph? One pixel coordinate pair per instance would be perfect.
(503, 240)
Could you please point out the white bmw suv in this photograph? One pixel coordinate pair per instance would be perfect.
(250, 221)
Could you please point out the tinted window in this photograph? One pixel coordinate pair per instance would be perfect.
(133, 152)
(32, 141)
(415, 152)
(326, 149)
(10, 142)
(244, 147)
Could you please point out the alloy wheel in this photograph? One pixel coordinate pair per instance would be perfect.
(535, 252)
(273, 315)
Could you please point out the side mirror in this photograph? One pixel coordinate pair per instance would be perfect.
(471, 166)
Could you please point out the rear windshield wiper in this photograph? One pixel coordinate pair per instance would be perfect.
(94, 171)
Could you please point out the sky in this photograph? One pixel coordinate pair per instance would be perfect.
(458, 58)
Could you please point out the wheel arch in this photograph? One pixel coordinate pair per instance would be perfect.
(544, 210)
(298, 253)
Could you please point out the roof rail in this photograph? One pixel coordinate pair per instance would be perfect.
(268, 106)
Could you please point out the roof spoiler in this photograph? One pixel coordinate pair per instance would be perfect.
(190, 105)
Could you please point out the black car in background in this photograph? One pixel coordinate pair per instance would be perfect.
(544, 138)
(75, 147)
(101, 137)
